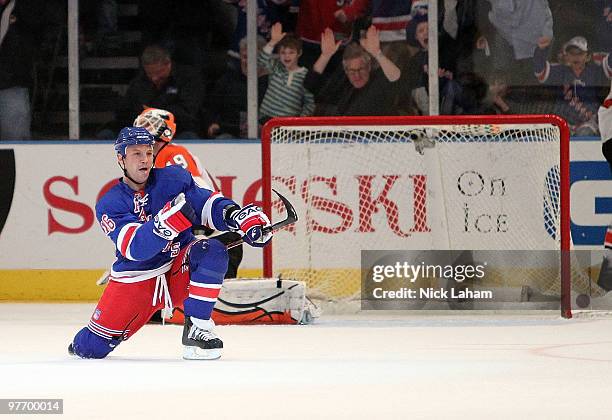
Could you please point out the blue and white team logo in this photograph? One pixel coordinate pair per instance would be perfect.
(97, 314)
(254, 233)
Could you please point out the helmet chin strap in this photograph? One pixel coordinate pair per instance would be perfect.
(160, 149)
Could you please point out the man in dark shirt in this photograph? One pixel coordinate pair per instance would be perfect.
(362, 90)
(165, 85)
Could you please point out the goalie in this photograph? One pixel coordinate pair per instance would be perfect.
(148, 216)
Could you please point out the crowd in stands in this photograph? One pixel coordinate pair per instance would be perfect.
(354, 57)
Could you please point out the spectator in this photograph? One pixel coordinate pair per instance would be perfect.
(417, 34)
(577, 79)
(166, 85)
(390, 17)
(20, 22)
(517, 27)
(363, 90)
(228, 100)
(314, 17)
(285, 95)
(268, 11)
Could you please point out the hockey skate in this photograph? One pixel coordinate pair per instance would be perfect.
(199, 340)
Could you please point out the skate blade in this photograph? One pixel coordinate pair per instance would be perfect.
(196, 353)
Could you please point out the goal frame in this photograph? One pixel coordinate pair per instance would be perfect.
(365, 121)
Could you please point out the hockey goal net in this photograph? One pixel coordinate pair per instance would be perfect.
(419, 183)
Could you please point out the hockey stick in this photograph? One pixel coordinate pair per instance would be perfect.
(291, 218)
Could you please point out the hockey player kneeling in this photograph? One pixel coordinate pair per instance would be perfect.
(148, 216)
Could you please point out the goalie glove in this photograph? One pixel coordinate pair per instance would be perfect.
(249, 223)
(176, 216)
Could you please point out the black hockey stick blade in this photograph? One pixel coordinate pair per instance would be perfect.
(291, 218)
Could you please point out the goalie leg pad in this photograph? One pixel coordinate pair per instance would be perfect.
(88, 345)
(208, 261)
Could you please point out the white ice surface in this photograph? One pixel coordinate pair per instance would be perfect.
(359, 367)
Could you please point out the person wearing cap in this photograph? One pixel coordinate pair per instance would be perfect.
(576, 77)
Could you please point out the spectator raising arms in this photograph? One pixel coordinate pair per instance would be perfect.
(286, 95)
(364, 91)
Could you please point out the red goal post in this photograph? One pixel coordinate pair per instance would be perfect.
(349, 140)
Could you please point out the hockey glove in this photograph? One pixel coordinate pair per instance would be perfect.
(176, 216)
(249, 222)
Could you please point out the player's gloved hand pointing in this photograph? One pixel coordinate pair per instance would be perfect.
(176, 216)
(249, 222)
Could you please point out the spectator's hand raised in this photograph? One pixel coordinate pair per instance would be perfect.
(544, 42)
(371, 42)
(276, 33)
(329, 45)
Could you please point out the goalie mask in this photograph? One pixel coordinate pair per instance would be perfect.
(159, 122)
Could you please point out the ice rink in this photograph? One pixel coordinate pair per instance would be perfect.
(360, 367)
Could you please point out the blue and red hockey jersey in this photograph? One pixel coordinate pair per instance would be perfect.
(126, 216)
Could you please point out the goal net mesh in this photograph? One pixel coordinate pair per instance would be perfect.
(403, 187)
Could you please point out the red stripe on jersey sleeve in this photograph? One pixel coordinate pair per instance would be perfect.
(127, 238)
(206, 292)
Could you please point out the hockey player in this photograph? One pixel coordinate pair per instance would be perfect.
(148, 216)
(161, 124)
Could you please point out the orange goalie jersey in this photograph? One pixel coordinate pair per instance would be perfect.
(174, 154)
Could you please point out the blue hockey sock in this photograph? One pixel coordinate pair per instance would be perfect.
(208, 263)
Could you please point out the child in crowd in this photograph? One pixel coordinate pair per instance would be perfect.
(286, 95)
(578, 79)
